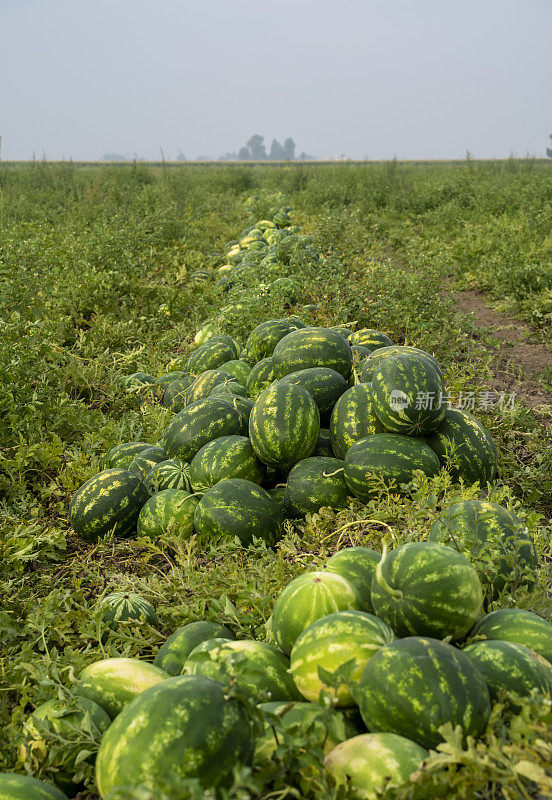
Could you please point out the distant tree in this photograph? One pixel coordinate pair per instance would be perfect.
(257, 148)
(289, 149)
(244, 154)
(114, 157)
(305, 156)
(548, 149)
(180, 156)
(276, 151)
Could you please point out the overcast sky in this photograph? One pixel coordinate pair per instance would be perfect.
(366, 78)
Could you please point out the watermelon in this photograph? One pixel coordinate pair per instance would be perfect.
(465, 448)
(199, 424)
(323, 445)
(242, 405)
(511, 667)
(261, 376)
(186, 727)
(330, 642)
(519, 626)
(225, 457)
(413, 686)
(407, 395)
(353, 418)
(284, 425)
(285, 290)
(142, 464)
(170, 511)
(205, 333)
(114, 682)
(316, 482)
(212, 354)
(357, 565)
(307, 598)
(371, 339)
(368, 365)
(237, 507)
(172, 655)
(389, 458)
(233, 388)
(264, 338)
(68, 720)
(312, 347)
(126, 607)
(122, 454)
(174, 396)
(370, 763)
(110, 501)
(494, 538)
(138, 380)
(324, 385)
(239, 369)
(359, 353)
(169, 474)
(169, 377)
(257, 667)
(22, 787)
(204, 384)
(427, 589)
(320, 727)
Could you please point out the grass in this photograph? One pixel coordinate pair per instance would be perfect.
(95, 265)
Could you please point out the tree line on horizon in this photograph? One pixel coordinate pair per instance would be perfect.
(252, 150)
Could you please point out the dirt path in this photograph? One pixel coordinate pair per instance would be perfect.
(520, 363)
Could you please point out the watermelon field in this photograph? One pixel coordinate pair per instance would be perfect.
(276, 481)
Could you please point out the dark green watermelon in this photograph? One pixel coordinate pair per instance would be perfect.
(368, 365)
(110, 501)
(261, 376)
(204, 384)
(237, 507)
(511, 667)
(170, 511)
(389, 458)
(174, 652)
(316, 482)
(370, 338)
(174, 396)
(264, 338)
(357, 565)
(465, 448)
(212, 354)
(122, 454)
(519, 626)
(324, 444)
(324, 385)
(413, 686)
(284, 425)
(312, 347)
(353, 418)
(225, 457)
(198, 424)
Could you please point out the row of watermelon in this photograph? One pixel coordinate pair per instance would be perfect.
(405, 688)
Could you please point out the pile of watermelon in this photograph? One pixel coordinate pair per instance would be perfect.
(369, 657)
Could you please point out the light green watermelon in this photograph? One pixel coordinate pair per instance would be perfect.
(357, 565)
(169, 474)
(126, 607)
(170, 511)
(511, 667)
(22, 787)
(114, 682)
(172, 655)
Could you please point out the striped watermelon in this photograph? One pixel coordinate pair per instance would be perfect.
(172, 655)
(324, 445)
(225, 457)
(126, 607)
(243, 405)
(373, 762)
(413, 686)
(368, 366)
(138, 380)
(114, 682)
(198, 424)
(324, 385)
(284, 425)
(407, 395)
(511, 667)
(320, 727)
(233, 388)
(110, 501)
(239, 369)
(261, 376)
(169, 474)
(427, 589)
(482, 531)
(186, 727)
(357, 565)
(332, 641)
(389, 458)
(316, 482)
(519, 626)
(170, 511)
(237, 507)
(371, 339)
(169, 377)
(260, 669)
(142, 464)
(353, 418)
(174, 396)
(312, 347)
(264, 338)
(212, 354)
(465, 448)
(307, 598)
(22, 787)
(204, 384)
(122, 454)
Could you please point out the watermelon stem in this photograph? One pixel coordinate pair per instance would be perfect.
(331, 474)
(396, 594)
